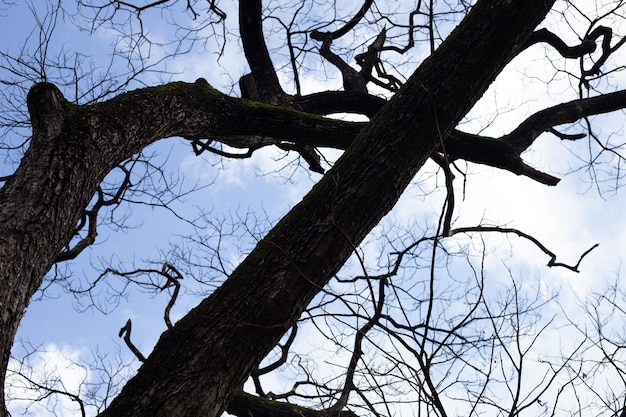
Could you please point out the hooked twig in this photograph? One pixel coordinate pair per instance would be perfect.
(171, 280)
(125, 331)
(552, 262)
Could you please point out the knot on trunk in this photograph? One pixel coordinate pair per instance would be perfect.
(46, 107)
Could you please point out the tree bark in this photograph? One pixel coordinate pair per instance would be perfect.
(262, 84)
(74, 147)
(198, 364)
(245, 405)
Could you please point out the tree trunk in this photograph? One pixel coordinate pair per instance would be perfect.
(74, 147)
(39, 208)
(197, 365)
(209, 353)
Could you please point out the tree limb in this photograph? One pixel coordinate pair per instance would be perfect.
(587, 45)
(125, 332)
(551, 263)
(525, 134)
(245, 405)
(247, 316)
(319, 36)
(263, 81)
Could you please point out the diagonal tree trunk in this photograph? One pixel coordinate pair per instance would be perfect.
(210, 352)
(197, 365)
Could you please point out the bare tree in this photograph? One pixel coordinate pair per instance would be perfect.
(412, 343)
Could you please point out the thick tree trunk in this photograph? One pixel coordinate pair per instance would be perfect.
(39, 207)
(74, 147)
(198, 364)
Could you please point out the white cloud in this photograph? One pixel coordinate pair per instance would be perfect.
(53, 367)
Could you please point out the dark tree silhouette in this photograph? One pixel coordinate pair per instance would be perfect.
(200, 363)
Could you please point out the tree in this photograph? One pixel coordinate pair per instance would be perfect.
(73, 147)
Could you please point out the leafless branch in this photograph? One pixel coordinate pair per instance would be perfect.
(125, 332)
(552, 262)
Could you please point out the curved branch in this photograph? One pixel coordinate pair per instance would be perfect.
(587, 45)
(353, 80)
(284, 351)
(125, 332)
(606, 33)
(264, 80)
(542, 121)
(319, 36)
(171, 281)
(91, 217)
(245, 405)
(200, 146)
(552, 262)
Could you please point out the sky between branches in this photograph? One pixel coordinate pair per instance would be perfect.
(568, 218)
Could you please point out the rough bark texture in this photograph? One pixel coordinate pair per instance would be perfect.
(208, 354)
(197, 365)
(39, 206)
(243, 404)
(74, 147)
(257, 55)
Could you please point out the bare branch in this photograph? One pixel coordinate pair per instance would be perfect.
(172, 280)
(318, 36)
(552, 262)
(263, 80)
(526, 133)
(587, 45)
(125, 332)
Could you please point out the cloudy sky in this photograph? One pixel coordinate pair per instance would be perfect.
(568, 219)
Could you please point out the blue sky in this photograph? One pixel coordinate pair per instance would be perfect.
(568, 218)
